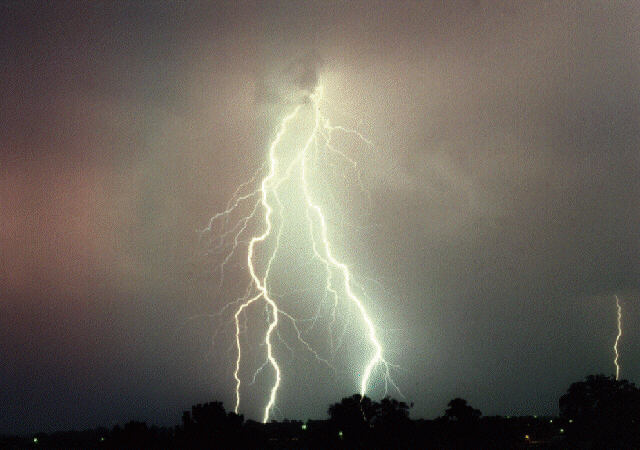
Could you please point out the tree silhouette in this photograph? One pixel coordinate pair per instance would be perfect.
(392, 426)
(459, 411)
(135, 434)
(391, 411)
(363, 423)
(209, 424)
(603, 410)
(353, 414)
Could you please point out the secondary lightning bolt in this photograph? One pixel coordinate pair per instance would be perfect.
(615, 346)
(267, 201)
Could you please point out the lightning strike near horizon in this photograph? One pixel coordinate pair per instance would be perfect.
(615, 346)
(288, 210)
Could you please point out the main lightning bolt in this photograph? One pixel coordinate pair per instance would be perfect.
(615, 346)
(262, 248)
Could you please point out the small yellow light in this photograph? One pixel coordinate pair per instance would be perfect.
(304, 426)
(526, 436)
(561, 430)
(35, 440)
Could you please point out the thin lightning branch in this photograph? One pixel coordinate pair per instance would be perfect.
(615, 346)
(267, 199)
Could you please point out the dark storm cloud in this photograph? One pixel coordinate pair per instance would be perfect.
(504, 185)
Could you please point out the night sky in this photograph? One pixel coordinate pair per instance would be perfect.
(496, 219)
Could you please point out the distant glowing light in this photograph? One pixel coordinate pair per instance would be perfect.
(304, 426)
(35, 440)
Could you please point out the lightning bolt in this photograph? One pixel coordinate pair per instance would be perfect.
(615, 346)
(292, 165)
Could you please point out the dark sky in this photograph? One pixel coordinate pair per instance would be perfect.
(503, 216)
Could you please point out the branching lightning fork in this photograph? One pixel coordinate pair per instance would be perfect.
(271, 213)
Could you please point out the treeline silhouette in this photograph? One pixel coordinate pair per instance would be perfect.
(597, 413)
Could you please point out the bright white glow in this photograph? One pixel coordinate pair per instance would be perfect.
(292, 164)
